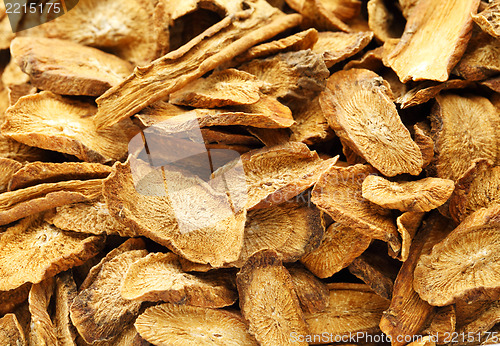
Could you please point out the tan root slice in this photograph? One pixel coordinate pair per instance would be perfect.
(420, 195)
(316, 14)
(425, 143)
(371, 60)
(8, 168)
(11, 332)
(469, 269)
(488, 19)
(42, 330)
(419, 55)
(312, 293)
(214, 235)
(477, 188)
(291, 229)
(55, 65)
(339, 247)
(47, 172)
(382, 21)
(492, 83)
(483, 322)
(159, 277)
(338, 193)
(53, 122)
(311, 125)
(270, 137)
(189, 266)
(65, 292)
(338, 46)
(11, 149)
(427, 90)
(268, 300)
(169, 323)
(16, 82)
(15, 205)
(465, 128)
(442, 324)
(99, 312)
(34, 250)
(353, 308)
(357, 104)
(218, 44)
(408, 224)
(424, 341)
(222, 88)
(10, 299)
(480, 60)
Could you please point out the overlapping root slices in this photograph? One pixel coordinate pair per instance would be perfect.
(465, 264)
(418, 56)
(11, 332)
(9, 300)
(42, 331)
(53, 122)
(408, 224)
(291, 229)
(427, 90)
(358, 106)
(339, 247)
(384, 23)
(33, 250)
(484, 320)
(159, 277)
(312, 293)
(55, 65)
(338, 192)
(11, 149)
(99, 312)
(352, 308)
(480, 60)
(268, 300)
(419, 196)
(338, 46)
(172, 216)
(477, 188)
(65, 292)
(464, 128)
(7, 169)
(189, 325)
(488, 19)
(311, 125)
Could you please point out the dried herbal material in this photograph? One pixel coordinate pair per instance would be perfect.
(492, 83)
(488, 19)
(319, 14)
(159, 277)
(339, 247)
(464, 128)
(310, 125)
(213, 236)
(407, 224)
(99, 312)
(34, 173)
(227, 139)
(442, 324)
(435, 37)
(8, 168)
(468, 271)
(11, 149)
(33, 250)
(292, 76)
(427, 90)
(11, 332)
(6, 29)
(188, 266)
(371, 60)
(338, 193)
(384, 23)
(15, 205)
(353, 308)
(312, 293)
(65, 292)
(480, 60)
(425, 143)
(268, 300)
(338, 46)
(270, 137)
(222, 88)
(16, 82)
(482, 322)
(56, 65)
(357, 104)
(42, 330)
(53, 122)
(291, 229)
(218, 44)
(174, 324)
(9, 300)
(420, 195)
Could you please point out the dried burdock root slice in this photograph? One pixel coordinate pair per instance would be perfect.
(419, 55)
(420, 195)
(338, 46)
(338, 193)
(53, 122)
(291, 229)
(311, 125)
(357, 104)
(218, 44)
(292, 76)
(312, 293)
(464, 128)
(339, 247)
(480, 60)
(16, 82)
(65, 292)
(11, 332)
(34, 250)
(268, 300)
(225, 138)
(99, 312)
(170, 324)
(408, 224)
(477, 188)
(15, 205)
(353, 308)
(270, 137)
(482, 323)
(318, 15)
(11, 149)
(492, 83)
(488, 19)
(56, 65)
(8, 168)
(159, 277)
(10, 299)
(34, 173)
(422, 138)
(371, 60)
(465, 264)
(42, 330)
(189, 266)
(427, 90)
(384, 23)
(443, 323)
